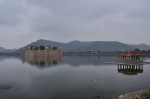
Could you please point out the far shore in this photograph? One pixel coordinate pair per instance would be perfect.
(75, 54)
(101, 54)
(89, 55)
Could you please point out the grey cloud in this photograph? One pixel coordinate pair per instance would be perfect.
(80, 8)
(62, 16)
(139, 10)
(65, 20)
(11, 12)
(98, 17)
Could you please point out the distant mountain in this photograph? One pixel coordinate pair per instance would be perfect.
(41, 42)
(3, 50)
(83, 46)
(87, 46)
(105, 46)
(142, 46)
(75, 45)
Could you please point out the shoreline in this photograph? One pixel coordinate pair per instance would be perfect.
(134, 95)
(128, 63)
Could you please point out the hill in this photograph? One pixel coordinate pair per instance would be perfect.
(3, 50)
(142, 46)
(105, 46)
(87, 46)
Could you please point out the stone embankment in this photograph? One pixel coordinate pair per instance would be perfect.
(134, 95)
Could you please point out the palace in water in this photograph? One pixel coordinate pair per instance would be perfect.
(38, 53)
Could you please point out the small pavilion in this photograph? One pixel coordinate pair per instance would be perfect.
(130, 56)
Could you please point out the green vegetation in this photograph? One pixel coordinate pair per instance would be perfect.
(145, 52)
(112, 53)
(54, 48)
(36, 48)
(5, 87)
(88, 53)
(42, 47)
(146, 95)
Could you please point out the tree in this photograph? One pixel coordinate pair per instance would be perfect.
(42, 47)
(54, 48)
(36, 48)
(144, 51)
(137, 50)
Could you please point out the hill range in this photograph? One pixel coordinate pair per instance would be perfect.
(79, 46)
(3, 50)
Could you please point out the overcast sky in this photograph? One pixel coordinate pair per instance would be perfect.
(25, 21)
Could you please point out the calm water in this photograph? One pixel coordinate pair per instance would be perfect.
(73, 77)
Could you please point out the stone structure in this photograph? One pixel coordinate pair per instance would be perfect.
(130, 62)
(130, 56)
(46, 56)
(47, 52)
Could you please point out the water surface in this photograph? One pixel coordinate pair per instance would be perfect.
(73, 77)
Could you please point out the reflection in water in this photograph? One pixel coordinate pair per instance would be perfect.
(87, 60)
(130, 69)
(77, 77)
(42, 61)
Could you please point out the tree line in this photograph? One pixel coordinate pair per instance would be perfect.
(142, 51)
(42, 47)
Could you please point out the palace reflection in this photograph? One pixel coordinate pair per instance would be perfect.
(130, 69)
(44, 61)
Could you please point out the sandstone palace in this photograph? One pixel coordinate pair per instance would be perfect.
(42, 51)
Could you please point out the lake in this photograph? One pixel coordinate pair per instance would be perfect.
(73, 77)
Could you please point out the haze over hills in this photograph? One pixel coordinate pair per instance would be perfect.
(3, 50)
(142, 46)
(87, 46)
(79, 46)
(105, 46)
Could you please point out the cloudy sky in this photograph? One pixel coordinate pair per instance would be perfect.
(25, 21)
